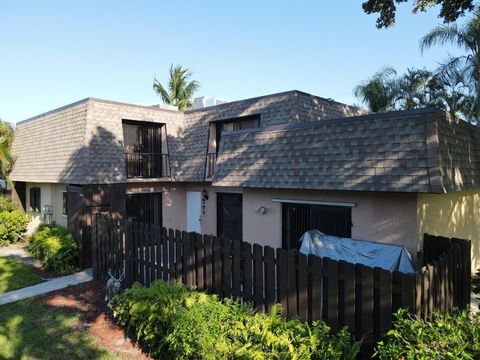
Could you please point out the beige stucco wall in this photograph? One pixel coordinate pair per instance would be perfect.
(50, 194)
(452, 215)
(384, 217)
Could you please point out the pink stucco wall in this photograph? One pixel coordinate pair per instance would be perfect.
(383, 217)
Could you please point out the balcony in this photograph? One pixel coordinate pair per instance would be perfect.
(147, 165)
(210, 165)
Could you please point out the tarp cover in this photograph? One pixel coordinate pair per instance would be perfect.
(385, 256)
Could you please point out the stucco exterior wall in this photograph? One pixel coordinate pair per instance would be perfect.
(383, 217)
(50, 194)
(452, 215)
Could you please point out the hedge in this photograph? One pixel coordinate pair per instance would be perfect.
(55, 247)
(171, 322)
(13, 224)
(447, 336)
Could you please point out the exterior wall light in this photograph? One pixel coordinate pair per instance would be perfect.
(260, 210)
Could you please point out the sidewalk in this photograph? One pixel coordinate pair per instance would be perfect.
(46, 287)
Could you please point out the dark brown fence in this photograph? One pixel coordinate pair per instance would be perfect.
(310, 287)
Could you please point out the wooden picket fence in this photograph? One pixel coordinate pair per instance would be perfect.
(309, 287)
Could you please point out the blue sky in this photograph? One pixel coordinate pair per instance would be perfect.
(57, 52)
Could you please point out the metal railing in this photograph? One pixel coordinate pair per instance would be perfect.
(147, 165)
(210, 166)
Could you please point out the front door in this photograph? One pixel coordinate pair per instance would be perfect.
(194, 208)
(229, 216)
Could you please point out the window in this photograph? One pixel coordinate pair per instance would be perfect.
(145, 208)
(229, 216)
(143, 150)
(241, 123)
(64, 203)
(35, 199)
(298, 219)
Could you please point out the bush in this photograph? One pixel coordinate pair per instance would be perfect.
(171, 322)
(55, 247)
(447, 336)
(13, 225)
(6, 204)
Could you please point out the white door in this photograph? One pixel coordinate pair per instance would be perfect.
(194, 208)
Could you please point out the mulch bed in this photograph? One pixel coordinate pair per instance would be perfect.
(89, 299)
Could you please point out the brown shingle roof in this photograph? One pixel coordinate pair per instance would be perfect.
(396, 151)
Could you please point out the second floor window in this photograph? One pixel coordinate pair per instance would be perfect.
(143, 150)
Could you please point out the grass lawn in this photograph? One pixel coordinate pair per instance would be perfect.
(15, 275)
(32, 329)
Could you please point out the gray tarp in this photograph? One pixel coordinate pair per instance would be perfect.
(385, 256)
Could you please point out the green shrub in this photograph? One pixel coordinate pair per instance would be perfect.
(6, 204)
(173, 323)
(13, 225)
(55, 247)
(447, 336)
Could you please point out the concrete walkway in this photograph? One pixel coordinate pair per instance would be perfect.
(46, 287)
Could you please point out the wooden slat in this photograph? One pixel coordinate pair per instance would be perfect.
(188, 260)
(269, 255)
(128, 254)
(171, 255)
(226, 268)
(282, 274)
(217, 265)
(315, 283)
(302, 286)
(148, 254)
(347, 298)
(330, 293)
(200, 262)
(236, 271)
(292, 301)
(382, 301)
(364, 302)
(247, 268)
(257, 276)
(207, 240)
(94, 239)
(165, 256)
(179, 256)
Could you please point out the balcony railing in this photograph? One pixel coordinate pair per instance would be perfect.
(211, 159)
(147, 165)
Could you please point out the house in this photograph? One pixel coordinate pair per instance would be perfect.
(264, 170)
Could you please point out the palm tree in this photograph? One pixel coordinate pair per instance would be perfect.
(418, 88)
(6, 140)
(466, 37)
(180, 89)
(378, 92)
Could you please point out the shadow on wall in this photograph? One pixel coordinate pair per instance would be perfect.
(452, 215)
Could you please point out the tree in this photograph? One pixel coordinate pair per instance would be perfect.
(450, 10)
(378, 92)
(418, 88)
(180, 90)
(6, 140)
(466, 37)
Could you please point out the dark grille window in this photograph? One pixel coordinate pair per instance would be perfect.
(143, 150)
(298, 219)
(35, 199)
(145, 208)
(64, 203)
